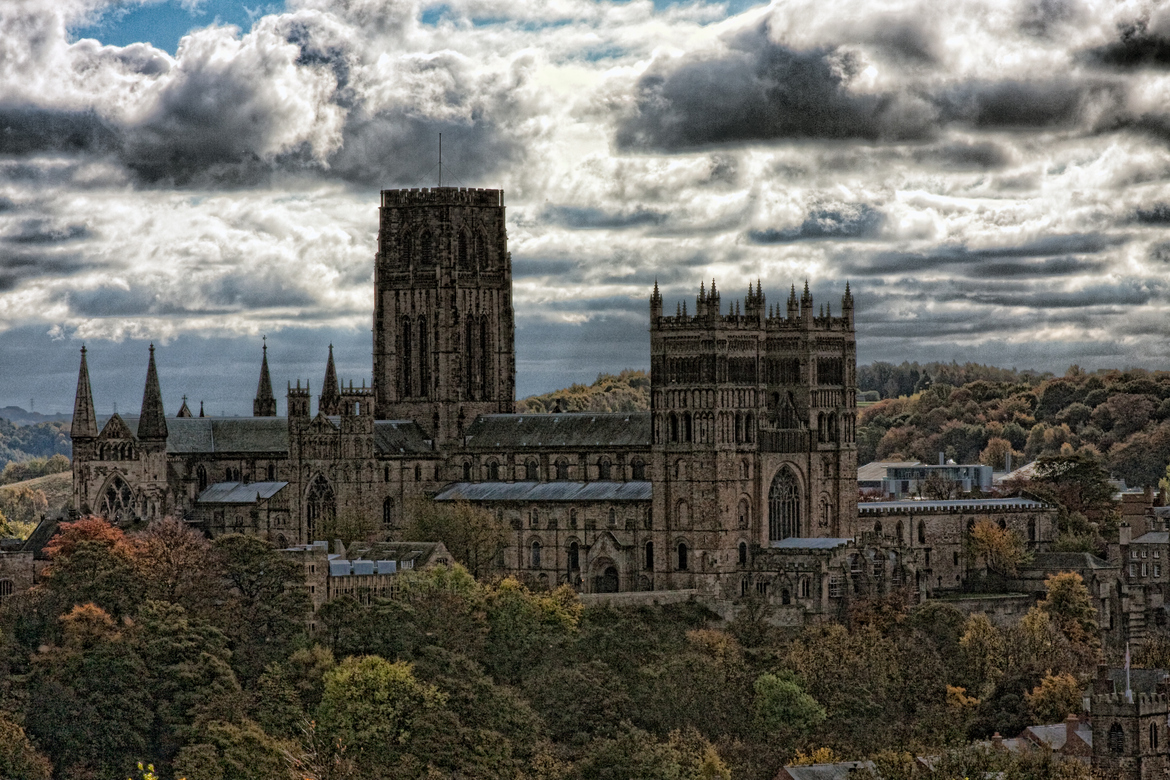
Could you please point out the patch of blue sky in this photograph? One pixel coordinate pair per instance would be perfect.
(163, 24)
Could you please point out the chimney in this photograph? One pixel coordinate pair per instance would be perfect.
(942, 459)
(1124, 535)
(996, 741)
(1007, 461)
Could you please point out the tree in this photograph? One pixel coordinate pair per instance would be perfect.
(1071, 607)
(940, 487)
(996, 452)
(983, 654)
(782, 705)
(1076, 483)
(522, 625)
(1002, 550)
(473, 535)
(370, 706)
(349, 526)
(1056, 696)
(19, 760)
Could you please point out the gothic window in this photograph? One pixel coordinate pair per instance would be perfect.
(744, 470)
(673, 427)
(480, 247)
(574, 556)
(388, 513)
(418, 472)
(562, 468)
(639, 469)
(531, 471)
(406, 379)
(804, 588)
(749, 423)
(877, 528)
(783, 506)
(321, 507)
(201, 476)
(612, 518)
(426, 249)
(535, 554)
(785, 597)
(424, 360)
(1153, 736)
(493, 471)
(745, 513)
(385, 473)
(743, 553)
(407, 248)
(603, 469)
(5, 588)
(117, 501)
(921, 532)
(1116, 740)
(738, 428)
(682, 556)
(648, 563)
(466, 471)
(464, 251)
(573, 519)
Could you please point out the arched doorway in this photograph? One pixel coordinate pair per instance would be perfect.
(784, 506)
(607, 581)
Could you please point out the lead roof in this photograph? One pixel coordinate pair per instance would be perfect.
(570, 430)
(547, 491)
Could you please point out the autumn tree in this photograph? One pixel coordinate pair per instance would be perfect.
(1056, 696)
(473, 535)
(1071, 607)
(19, 760)
(1002, 550)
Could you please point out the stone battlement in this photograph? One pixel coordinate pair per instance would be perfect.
(1115, 704)
(443, 196)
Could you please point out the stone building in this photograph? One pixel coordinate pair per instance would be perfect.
(748, 449)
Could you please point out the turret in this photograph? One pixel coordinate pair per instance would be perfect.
(84, 419)
(655, 303)
(330, 400)
(847, 306)
(754, 304)
(264, 404)
(793, 307)
(152, 424)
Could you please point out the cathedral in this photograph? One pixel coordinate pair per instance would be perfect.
(741, 477)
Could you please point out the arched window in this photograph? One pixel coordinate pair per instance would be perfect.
(388, 513)
(743, 553)
(464, 251)
(424, 360)
(418, 472)
(493, 471)
(406, 360)
(426, 248)
(5, 588)
(603, 469)
(572, 518)
(745, 513)
(535, 554)
(574, 556)
(689, 428)
(805, 588)
(1116, 739)
(682, 513)
(639, 469)
(407, 249)
(783, 506)
(648, 564)
(385, 473)
(673, 427)
(117, 501)
(201, 476)
(682, 556)
(921, 532)
(531, 470)
(1153, 736)
(749, 423)
(562, 468)
(466, 471)
(785, 596)
(480, 248)
(320, 507)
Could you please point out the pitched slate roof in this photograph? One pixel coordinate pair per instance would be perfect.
(547, 491)
(191, 435)
(875, 471)
(837, 771)
(393, 437)
(1153, 537)
(240, 492)
(616, 429)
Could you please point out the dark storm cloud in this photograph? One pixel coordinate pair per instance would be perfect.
(1135, 47)
(965, 260)
(44, 231)
(1160, 252)
(980, 155)
(20, 265)
(842, 222)
(1154, 214)
(26, 130)
(1018, 104)
(762, 90)
(585, 217)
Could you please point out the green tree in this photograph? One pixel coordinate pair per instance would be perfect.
(522, 626)
(370, 706)
(19, 760)
(473, 535)
(1071, 607)
(782, 705)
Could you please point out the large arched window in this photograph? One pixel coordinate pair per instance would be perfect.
(464, 251)
(388, 513)
(201, 476)
(426, 248)
(535, 554)
(531, 470)
(117, 502)
(407, 247)
(320, 507)
(574, 556)
(639, 469)
(743, 553)
(406, 357)
(784, 506)
(682, 556)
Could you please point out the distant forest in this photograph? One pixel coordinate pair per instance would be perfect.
(26, 442)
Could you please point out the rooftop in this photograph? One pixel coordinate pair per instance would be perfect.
(240, 492)
(955, 505)
(796, 543)
(611, 429)
(547, 491)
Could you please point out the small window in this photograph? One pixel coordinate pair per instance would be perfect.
(418, 473)
(466, 471)
(1133, 553)
(612, 518)
(805, 588)
(1153, 736)
(921, 532)
(1145, 570)
(271, 473)
(955, 558)
(743, 553)
(785, 597)
(494, 471)
(604, 469)
(531, 471)
(385, 473)
(562, 469)
(1031, 530)
(682, 556)
(743, 587)
(573, 519)
(648, 565)
(1133, 570)
(639, 469)
(1157, 570)
(574, 557)
(1145, 553)
(1157, 553)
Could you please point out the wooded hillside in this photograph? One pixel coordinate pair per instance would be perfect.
(628, 391)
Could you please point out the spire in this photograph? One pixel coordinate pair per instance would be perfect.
(702, 292)
(84, 420)
(184, 410)
(152, 423)
(264, 405)
(201, 409)
(330, 400)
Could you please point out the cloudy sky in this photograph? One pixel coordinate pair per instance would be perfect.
(993, 178)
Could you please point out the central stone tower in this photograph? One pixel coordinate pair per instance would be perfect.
(444, 327)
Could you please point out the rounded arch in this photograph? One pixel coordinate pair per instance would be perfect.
(562, 467)
(426, 248)
(389, 519)
(320, 506)
(574, 555)
(682, 512)
(534, 551)
(784, 520)
(466, 471)
(638, 467)
(604, 468)
(683, 551)
(743, 553)
(531, 470)
(117, 500)
(648, 563)
(493, 469)
(606, 578)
